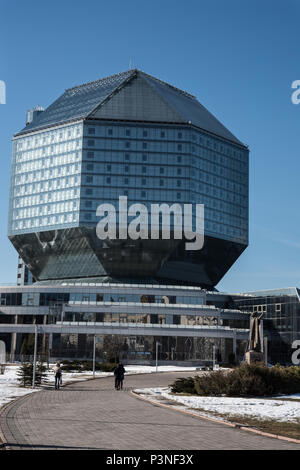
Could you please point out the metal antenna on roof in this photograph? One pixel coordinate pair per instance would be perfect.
(130, 64)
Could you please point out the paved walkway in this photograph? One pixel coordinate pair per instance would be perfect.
(92, 415)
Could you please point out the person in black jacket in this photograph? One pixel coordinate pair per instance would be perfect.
(57, 374)
(119, 376)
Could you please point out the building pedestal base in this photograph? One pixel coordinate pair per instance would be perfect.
(254, 356)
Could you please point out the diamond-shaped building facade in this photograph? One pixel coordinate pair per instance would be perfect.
(126, 135)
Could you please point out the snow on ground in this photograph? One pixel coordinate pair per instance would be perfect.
(295, 396)
(10, 389)
(261, 408)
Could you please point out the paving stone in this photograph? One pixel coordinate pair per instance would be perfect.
(92, 415)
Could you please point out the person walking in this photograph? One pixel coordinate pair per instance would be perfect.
(119, 376)
(57, 375)
(122, 374)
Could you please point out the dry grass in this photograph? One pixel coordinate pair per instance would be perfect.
(279, 428)
(286, 429)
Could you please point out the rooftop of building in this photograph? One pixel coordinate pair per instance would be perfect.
(93, 100)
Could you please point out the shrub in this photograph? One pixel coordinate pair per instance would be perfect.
(68, 366)
(88, 365)
(108, 366)
(186, 385)
(80, 366)
(243, 381)
(25, 374)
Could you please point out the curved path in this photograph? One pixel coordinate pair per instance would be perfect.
(92, 415)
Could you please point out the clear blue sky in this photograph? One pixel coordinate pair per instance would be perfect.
(238, 57)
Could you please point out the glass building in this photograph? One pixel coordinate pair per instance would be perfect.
(281, 309)
(127, 135)
(135, 136)
(129, 319)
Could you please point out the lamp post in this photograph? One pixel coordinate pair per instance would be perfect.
(34, 355)
(156, 354)
(214, 356)
(94, 356)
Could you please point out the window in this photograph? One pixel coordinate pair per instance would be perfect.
(126, 180)
(179, 135)
(90, 154)
(278, 307)
(144, 157)
(89, 191)
(127, 132)
(179, 147)
(88, 216)
(162, 134)
(144, 145)
(110, 132)
(144, 169)
(108, 167)
(145, 133)
(90, 167)
(127, 156)
(127, 145)
(178, 195)
(91, 130)
(178, 171)
(143, 193)
(161, 170)
(89, 179)
(127, 169)
(108, 179)
(88, 204)
(178, 183)
(91, 143)
(179, 158)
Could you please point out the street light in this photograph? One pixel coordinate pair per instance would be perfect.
(214, 356)
(34, 354)
(156, 356)
(94, 355)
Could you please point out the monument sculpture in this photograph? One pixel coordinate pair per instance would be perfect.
(255, 348)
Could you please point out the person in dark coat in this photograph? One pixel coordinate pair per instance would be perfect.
(119, 376)
(57, 374)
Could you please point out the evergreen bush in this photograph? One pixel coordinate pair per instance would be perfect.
(108, 366)
(25, 374)
(243, 381)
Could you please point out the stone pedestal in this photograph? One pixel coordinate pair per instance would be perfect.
(254, 356)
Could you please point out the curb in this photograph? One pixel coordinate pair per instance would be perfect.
(3, 442)
(218, 421)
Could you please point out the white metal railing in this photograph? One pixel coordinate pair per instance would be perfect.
(140, 304)
(148, 325)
